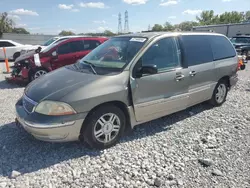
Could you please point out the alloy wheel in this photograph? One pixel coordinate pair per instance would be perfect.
(221, 93)
(39, 73)
(107, 128)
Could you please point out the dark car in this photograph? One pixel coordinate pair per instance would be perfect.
(33, 64)
(242, 44)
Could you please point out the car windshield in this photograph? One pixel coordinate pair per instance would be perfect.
(48, 48)
(240, 40)
(115, 53)
(50, 41)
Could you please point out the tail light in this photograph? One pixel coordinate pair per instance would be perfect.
(241, 65)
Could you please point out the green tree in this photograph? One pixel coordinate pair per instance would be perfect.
(6, 24)
(157, 27)
(168, 27)
(247, 16)
(231, 17)
(186, 26)
(109, 33)
(206, 17)
(66, 33)
(20, 31)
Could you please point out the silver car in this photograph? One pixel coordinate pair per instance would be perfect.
(126, 81)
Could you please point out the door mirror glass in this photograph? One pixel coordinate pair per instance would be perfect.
(147, 69)
(54, 54)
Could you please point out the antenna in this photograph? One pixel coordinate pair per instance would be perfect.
(126, 26)
(119, 23)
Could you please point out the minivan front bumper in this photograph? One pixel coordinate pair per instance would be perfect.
(49, 128)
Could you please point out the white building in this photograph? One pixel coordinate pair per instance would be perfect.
(229, 30)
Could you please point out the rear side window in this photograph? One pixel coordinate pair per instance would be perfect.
(77, 46)
(197, 49)
(6, 44)
(221, 47)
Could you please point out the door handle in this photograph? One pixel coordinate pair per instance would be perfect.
(179, 77)
(192, 73)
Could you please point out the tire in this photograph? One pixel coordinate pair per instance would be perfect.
(37, 73)
(16, 55)
(218, 99)
(98, 127)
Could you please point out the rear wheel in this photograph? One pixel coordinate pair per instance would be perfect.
(220, 93)
(103, 127)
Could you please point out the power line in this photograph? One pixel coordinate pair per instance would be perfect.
(126, 25)
(119, 23)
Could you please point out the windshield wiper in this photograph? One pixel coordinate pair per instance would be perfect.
(91, 65)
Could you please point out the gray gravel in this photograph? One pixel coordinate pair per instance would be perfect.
(161, 153)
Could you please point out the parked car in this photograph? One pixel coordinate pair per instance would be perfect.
(242, 44)
(126, 81)
(51, 41)
(32, 65)
(13, 49)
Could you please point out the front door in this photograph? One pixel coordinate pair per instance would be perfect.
(66, 55)
(163, 93)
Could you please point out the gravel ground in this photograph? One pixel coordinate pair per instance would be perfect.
(199, 147)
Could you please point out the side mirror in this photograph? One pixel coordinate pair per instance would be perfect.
(146, 69)
(54, 54)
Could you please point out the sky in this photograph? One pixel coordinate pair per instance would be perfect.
(81, 16)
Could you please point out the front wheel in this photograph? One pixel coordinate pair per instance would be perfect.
(38, 73)
(220, 93)
(104, 127)
(16, 55)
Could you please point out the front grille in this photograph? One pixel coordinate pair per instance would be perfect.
(28, 104)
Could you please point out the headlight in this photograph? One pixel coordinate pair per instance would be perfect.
(54, 108)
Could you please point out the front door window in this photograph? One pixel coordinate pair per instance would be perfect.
(163, 54)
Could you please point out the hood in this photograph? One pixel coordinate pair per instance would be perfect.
(25, 56)
(28, 54)
(58, 83)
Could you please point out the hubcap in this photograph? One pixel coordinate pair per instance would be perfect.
(39, 73)
(107, 128)
(221, 93)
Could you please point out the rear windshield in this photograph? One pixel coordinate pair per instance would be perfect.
(222, 48)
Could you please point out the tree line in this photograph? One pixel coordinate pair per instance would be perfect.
(205, 18)
(7, 25)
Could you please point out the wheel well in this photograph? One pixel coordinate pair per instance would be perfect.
(227, 79)
(118, 104)
(17, 53)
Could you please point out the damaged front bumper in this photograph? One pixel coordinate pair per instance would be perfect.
(19, 74)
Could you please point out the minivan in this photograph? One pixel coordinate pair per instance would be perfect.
(126, 81)
(34, 64)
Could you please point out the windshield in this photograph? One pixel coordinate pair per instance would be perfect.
(50, 41)
(240, 40)
(48, 48)
(115, 53)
